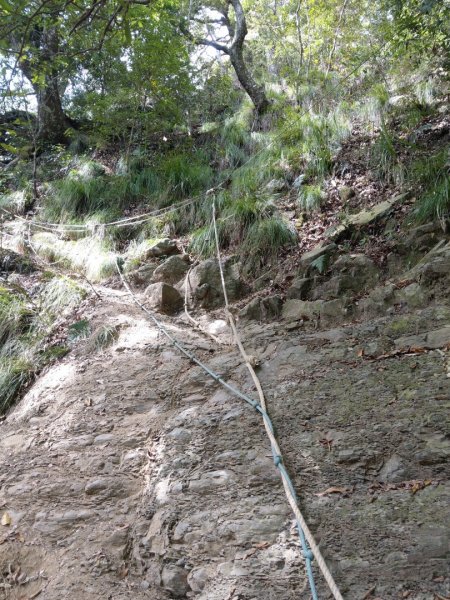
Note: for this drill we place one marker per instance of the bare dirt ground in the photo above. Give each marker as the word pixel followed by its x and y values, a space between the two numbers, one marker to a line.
pixel 127 473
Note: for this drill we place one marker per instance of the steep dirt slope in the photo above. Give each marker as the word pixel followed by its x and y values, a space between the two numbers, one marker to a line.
pixel 128 473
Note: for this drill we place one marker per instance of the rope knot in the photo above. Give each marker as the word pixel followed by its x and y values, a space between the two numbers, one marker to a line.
pixel 278 460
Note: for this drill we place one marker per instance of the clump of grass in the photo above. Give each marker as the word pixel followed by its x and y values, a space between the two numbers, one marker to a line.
pixel 137 252
pixel 251 176
pixel 15 314
pixel 203 243
pixel 264 240
pixel 88 190
pixel 104 336
pixel 24 325
pixel 431 178
pixel 16 202
pixel 313 139
pixel 310 198
pixel 435 202
pixel 184 175
pixel 89 255
pixel 235 140
pixel 385 158
pixel 79 330
pixel 61 294
pixel 15 373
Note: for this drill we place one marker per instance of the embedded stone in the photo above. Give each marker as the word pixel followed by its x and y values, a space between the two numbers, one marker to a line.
pixel 164 298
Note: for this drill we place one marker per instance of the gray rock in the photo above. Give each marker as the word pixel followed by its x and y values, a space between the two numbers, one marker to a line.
pixel 333 311
pixel 262 309
pixel 197 579
pixel 327 312
pixel 294 310
pixel 171 271
pixel 298 181
pixel 103 438
pixel 143 275
pixel 174 580
pixel 276 186
pixel 363 219
pixel 350 273
pixel 12 261
pixel 96 486
pixel 308 257
pixel 206 286
pixel 414 295
pixel 357 266
pixel 164 247
pixel 436 451
pixel 299 288
pixel 164 298
pixel 437 338
pixel 393 470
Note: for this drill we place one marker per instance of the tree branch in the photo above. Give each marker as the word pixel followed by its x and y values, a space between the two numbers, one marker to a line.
pixel 241 24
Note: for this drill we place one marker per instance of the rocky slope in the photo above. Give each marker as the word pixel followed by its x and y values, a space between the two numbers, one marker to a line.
pixel 127 473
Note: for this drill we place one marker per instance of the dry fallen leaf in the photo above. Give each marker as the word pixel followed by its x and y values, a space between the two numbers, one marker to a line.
pixel 6 519
pixel 261 545
pixel 333 490
pixel 420 485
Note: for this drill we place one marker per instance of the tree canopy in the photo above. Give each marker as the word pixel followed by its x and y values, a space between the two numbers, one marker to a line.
pixel 158 64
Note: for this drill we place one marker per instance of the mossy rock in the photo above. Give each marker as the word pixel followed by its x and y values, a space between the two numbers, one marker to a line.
pixel 13 262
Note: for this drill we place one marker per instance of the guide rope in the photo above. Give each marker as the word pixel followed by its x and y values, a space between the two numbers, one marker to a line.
pixel 305 534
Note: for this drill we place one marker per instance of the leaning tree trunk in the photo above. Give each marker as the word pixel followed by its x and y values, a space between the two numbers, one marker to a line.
pixel 235 50
pixel 256 92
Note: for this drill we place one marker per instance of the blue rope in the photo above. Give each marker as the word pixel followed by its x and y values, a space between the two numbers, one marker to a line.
pixel 277 459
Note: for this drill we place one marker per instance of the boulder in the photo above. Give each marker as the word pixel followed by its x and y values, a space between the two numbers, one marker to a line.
pixel 174 580
pixel 413 295
pixel 276 186
pixel 12 261
pixel 294 310
pixel 205 286
pixel 298 181
pixel 309 257
pixel 378 301
pixel 172 270
pixel 350 273
pixel 164 298
pixel 330 312
pixel 143 275
pixel 364 218
pixel 299 288
pixel 164 247
pixel 262 309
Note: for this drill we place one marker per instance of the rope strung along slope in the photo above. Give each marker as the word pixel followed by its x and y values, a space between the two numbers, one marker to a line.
pixel 290 492
pixel 305 534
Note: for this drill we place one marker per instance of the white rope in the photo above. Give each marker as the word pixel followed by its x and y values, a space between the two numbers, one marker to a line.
pixel 291 499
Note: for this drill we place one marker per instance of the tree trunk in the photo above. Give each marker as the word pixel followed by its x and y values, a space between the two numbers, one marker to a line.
pixel 52 121
pixel 235 50
pixel 256 92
